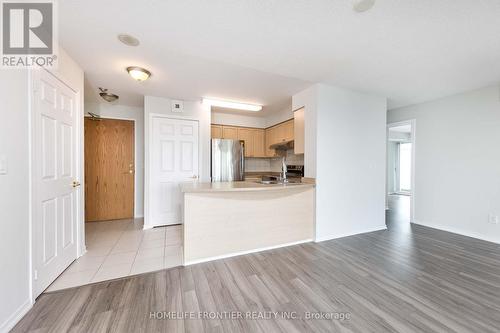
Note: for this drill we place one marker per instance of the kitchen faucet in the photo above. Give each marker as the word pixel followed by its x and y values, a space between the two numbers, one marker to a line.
pixel 283 170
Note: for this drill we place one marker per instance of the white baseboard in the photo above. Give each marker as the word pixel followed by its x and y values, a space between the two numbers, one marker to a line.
pixel 151 226
pixel 358 232
pixel 16 316
pixel 234 254
pixel 457 231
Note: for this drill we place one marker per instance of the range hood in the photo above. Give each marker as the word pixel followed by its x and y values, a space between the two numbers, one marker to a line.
pixel 285 145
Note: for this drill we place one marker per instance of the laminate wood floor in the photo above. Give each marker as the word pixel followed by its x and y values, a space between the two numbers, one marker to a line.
pixel 406 279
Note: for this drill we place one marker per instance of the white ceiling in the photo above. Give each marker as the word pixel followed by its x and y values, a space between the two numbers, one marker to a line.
pixel 263 51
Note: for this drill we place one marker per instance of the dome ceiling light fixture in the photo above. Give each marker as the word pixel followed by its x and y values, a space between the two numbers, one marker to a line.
pixel 128 40
pixel 108 97
pixel 361 6
pixel 138 73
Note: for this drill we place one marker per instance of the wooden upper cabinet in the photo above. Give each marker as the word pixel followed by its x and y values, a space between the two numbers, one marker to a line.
pixel 229 132
pixel 216 132
pixel 259 143
pixel 288 129
pixel 269 141
pixel 246 135
pixel 299 132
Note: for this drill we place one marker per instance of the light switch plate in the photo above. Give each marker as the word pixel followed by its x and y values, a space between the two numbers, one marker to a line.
pixel 3 165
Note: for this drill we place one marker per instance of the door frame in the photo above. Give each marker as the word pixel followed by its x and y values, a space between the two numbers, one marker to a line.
pixel 136 179
pixel 148 134
pixel 413 141
pixel 34 164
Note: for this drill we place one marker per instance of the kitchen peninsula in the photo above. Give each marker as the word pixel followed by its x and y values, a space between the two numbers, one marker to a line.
pixel 231 218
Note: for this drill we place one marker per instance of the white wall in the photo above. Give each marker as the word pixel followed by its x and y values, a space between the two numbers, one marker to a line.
pixel 308 99
pixel 192 110
pixel 279 116
pixel 392 154
pixel 15 192
pixel 229 119
pixel 457 162
pixel 14 197
pixel 247 120
pixel 349 131
pixel 130 113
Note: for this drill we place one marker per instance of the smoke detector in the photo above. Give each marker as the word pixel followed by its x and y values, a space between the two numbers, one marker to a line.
pixel 361 6
pixel 128 40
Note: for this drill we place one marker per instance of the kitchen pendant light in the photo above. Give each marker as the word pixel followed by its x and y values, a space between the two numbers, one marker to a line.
pixel 138 73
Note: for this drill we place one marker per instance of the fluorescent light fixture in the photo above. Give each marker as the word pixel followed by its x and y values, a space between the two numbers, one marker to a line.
pixel 138 73
pixel 232 105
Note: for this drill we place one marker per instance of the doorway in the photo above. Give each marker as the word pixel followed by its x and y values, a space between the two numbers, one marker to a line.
pixel 401 170
pixel 109 169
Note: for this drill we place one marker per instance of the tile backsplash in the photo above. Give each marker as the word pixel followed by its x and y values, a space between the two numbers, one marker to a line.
pixel 272 164
pixel 257 164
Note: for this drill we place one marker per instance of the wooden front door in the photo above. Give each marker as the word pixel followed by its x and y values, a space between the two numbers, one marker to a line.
pixel 109 169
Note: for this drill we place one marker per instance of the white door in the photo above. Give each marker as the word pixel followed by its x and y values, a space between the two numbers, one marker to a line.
pixel 55 156
pixel 174 159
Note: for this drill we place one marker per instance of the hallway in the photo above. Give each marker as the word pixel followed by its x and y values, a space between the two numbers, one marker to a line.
pixel 121 248
pixel 398 214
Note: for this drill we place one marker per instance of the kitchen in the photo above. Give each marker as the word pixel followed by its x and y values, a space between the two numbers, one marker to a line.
pixel 254 171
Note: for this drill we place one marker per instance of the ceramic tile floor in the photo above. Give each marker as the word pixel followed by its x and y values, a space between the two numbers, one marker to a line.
pixel 120 248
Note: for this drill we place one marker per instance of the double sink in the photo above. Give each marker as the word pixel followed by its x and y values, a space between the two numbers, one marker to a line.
pixel 275 180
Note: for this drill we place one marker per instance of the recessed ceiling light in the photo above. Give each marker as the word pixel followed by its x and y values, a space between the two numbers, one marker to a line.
pixel 362 5
pixel 138 73
pixel 232 105
pixel 128 40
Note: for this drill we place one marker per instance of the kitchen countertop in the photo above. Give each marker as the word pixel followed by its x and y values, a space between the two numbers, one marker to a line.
pixel 201 187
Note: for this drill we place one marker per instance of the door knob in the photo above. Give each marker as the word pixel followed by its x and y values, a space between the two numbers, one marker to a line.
pixel 194 177
pixel 76 183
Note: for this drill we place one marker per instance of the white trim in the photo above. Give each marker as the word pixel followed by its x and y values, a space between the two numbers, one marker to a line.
pixel 151 226
pixel 327 238
pixel 413 125
pixel 458 231
pixel 234 254
pixel 16 316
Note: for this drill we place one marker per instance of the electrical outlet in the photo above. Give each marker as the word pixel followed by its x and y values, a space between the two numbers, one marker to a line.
pixel 493 218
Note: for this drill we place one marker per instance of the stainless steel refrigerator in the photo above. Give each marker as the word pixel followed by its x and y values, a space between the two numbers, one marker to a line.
pixel 228 160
